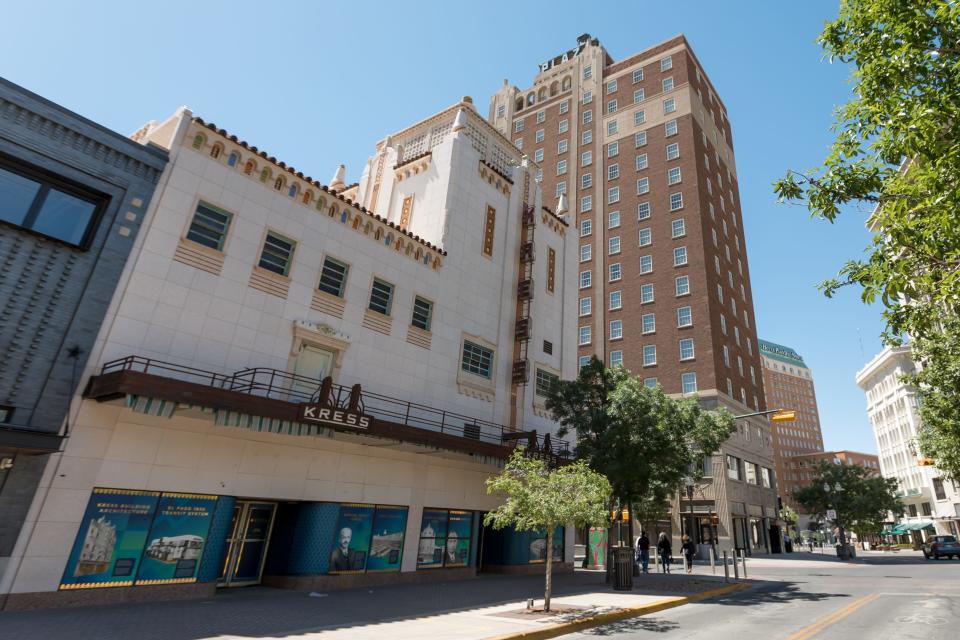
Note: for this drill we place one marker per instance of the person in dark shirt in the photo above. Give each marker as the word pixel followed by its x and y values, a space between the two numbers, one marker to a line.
pixel 688 549
pixel 643 551
pixel 665 551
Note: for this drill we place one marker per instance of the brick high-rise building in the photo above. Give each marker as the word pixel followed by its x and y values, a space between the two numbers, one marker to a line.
pixel 788 383
pixel 642 150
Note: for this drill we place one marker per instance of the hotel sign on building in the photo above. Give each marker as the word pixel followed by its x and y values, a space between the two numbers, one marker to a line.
pixel 566 56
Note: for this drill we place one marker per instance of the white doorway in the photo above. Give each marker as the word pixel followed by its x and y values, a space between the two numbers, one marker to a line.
pixel 312 362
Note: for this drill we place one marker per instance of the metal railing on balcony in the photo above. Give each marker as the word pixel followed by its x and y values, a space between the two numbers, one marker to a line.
pixel 293 388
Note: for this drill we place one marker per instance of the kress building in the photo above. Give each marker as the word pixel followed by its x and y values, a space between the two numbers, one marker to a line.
pixel 307 386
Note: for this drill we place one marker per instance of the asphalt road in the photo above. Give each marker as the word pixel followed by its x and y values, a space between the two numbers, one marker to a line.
pixel 877 597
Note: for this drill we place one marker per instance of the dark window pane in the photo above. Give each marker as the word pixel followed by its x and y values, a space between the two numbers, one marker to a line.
pixel 209 227
pixel 476 359
pixel 380 296
pixel 422 312
pixel 333 277
pixel 64 216
pixel 16 195
pixel 276 254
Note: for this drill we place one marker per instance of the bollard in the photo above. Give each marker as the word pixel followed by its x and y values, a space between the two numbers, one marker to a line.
pixel 713 561
pixel 743 559
pixel 736 569
pixel 726 568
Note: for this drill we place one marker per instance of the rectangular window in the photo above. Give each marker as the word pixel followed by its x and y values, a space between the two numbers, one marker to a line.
pixel 477 359
pixel 611 87
pixel 646 237
pixel 586 254
pixel 586 306
pixel 764 472
pixel 641 162
pixel 613 245
pixel 682 285
pixel 586 158
pixel 673 151
pixel 381 296
pixel 616 329
pixel 666 63
pixel 673 175
pixel 501 110
pixel 678 228
pixel 615 300
pixel 544 382
pixel 586 203
pixel 586 227
pixel 648 323
pixel 670 128
pixel 676 201
pixel 587 72
pixel 689 382
pixel 541 116
pixel 726 355
pixel 613 195
pixel 612 106
pixel 612 127
pixel 684 317
pixel 208 227
pixel 646 264
pixel 613 149
pixel 563 126
pixel 616 358
pixel 561 167
pixel 686 349
pixel 613 171
pixel 586 137
pixel 488 228
pixel 614 272
pixel 277 254
pixel 639 117
pixel 650 382
pixel 679 256
pixel 587 96
pixel 562 146
pixel 723 320
pixel 646 293
pixel 564 106
pixel 518 126
pixel 751 474
pixel 582 362
pixel 585 279
pixel 586 180
pixel 643 186
pixel 538 155
pixel 538 136
pixel 669 105
pixel 561 188
pixel 643 211
pixel 422 313
pixel 613 220
pixel 638 96
pixel 587 116
pixel 733 468
pixel 667 84
pixel 333 277
pixel 649 355
pixel 585 335
pixel 637 76
pixel 639 139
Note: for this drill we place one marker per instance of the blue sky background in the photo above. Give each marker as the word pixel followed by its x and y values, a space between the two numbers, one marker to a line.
pixel 316 84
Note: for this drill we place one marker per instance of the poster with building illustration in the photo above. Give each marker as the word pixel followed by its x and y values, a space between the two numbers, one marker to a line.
pixel 386 546
pixel 433 537
pixel 110 541
pixel 351 538
pixel 177 539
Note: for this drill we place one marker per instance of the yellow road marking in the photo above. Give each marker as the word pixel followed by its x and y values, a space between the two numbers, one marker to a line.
pixel 831 619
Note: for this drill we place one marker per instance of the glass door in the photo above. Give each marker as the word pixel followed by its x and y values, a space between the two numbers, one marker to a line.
pixel 247 543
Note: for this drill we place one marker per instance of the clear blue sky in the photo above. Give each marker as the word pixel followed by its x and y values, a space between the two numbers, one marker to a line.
pixel 316 84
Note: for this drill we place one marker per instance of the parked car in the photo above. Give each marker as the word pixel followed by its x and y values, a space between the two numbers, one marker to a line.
pixel 941 546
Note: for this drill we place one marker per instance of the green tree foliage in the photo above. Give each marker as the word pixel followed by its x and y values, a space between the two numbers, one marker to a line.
pixel 789 515
pixel 897 151
pixel 539 498
pixel 862 504
pixel 645 442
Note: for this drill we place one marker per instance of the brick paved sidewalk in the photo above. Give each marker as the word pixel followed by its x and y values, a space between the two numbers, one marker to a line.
pixel 464 609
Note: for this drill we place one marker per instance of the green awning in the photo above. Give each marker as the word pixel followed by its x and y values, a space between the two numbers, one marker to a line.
pixel 917 526
pixel 897 530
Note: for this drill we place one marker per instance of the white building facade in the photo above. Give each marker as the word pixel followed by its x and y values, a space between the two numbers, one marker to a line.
pixel 932 503
pixel 312 383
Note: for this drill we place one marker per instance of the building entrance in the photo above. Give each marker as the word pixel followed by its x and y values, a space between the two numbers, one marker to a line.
pixel 247 543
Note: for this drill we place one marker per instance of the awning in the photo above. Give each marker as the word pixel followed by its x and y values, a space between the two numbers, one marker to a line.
pixel 917 526
pixel 900 529
pixel 897 530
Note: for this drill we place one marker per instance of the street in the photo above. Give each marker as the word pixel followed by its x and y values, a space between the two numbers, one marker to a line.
pixel 878 596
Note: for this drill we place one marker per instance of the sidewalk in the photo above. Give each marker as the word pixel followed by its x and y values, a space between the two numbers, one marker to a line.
pixel 485 607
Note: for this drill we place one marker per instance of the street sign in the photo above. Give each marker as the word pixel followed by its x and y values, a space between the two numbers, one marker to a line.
pixel 831 514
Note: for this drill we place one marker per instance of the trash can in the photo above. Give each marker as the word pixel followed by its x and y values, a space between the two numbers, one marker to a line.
pixel 622 568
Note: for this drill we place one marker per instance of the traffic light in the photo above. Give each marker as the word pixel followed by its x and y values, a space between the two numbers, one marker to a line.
pixel 784 416
pixel 925 462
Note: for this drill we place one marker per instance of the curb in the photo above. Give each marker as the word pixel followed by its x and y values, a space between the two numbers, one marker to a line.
pixel 563 628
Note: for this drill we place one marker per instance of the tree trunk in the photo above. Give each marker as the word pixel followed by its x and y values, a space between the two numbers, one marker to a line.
pixel 549 580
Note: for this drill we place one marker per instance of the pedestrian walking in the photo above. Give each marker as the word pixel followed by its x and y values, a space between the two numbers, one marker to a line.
pixel 688 549
pixel 665 551
pixel 643 552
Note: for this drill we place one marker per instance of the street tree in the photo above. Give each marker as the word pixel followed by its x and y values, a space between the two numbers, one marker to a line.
pixel 645 442
pixel 789 515
pixel 540 498
pixel 897 153
pixel 862 503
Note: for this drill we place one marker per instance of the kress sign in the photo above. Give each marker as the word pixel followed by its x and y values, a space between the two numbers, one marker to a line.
pixel 323 414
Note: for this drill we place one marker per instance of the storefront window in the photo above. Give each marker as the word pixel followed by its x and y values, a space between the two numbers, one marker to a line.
pixel 445 536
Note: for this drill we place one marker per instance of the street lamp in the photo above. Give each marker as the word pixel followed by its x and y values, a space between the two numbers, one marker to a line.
pixel 832 495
